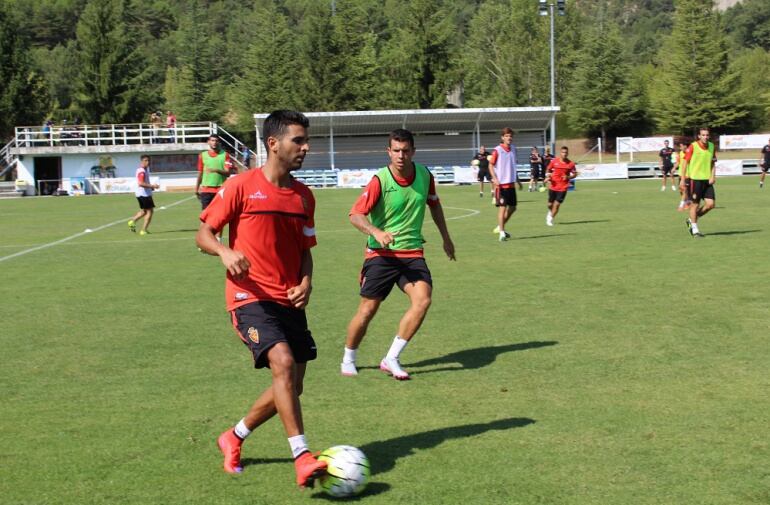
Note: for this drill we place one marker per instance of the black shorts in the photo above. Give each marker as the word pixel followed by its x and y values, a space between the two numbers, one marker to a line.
pixel 699 189
pixel 536 173
pixel 261 325
pixel 484 174
pixel 666 170
pixel 380 273
pixel 145 202
pixel 206 199
pixel 556 196
pixel 505 197
pixel 764 167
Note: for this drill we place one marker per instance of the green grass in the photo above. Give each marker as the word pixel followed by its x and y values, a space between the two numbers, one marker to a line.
pixel 611 359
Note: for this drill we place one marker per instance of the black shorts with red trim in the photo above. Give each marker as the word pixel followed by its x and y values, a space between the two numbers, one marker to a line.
pixel 556 196
pixel 381 273
pixel 261 325
pixel 700 189
pixel 145 202
pixel 206 199
pixel 505 197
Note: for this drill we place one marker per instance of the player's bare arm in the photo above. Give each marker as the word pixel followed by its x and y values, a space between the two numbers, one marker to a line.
pixel 363 225
pixel 299 295
pixel 683 171
pixel 493 174
pixel 235 261
pixel 437 213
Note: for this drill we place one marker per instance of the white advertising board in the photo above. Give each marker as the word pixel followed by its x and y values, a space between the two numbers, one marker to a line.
pixel 119 184
pixel 603 171
pixel 354 178
pixel 642 144
pixel 729 167
pixel 466 175
pixel 743 141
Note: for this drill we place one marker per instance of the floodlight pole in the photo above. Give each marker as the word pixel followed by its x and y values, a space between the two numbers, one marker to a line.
pixel 553 83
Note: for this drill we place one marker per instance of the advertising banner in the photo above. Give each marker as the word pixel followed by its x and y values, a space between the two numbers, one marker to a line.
pixel 729 167
pixel 743 141
pixel 603 171
pixel 75 185
pixel 354 178
pixel 642 144
pixel 119 184
pixel 465 175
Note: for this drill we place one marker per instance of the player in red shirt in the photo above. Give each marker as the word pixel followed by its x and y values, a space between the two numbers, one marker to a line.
pixel 560 171
pixel 269 270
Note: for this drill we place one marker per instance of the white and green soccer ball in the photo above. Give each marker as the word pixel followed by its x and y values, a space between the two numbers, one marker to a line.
pixel 347 473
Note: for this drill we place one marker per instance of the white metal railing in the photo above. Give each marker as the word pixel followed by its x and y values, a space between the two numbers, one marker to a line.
pixel 7 160
pixel 111 134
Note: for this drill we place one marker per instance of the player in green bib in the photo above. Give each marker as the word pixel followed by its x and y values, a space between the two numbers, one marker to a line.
pixel 395 201
pixel 700 170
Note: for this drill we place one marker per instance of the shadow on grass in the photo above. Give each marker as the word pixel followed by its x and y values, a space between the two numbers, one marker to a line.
pixel 265 461
pixel 550 235
pixel 470 359
pixel 175 231
pixel 372 489
pixel 736 232
pixel 383 454
pixel 584 222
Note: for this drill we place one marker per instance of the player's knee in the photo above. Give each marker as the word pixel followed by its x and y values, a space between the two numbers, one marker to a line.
pixel 422 303
pixel 366 312
pixel 281 361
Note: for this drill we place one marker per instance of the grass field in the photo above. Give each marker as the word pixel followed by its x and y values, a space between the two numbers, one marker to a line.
pixel 612 359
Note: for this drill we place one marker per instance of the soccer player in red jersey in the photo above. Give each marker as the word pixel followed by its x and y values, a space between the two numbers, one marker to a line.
pixel 269 271
pixel 395 201
pixel 560 172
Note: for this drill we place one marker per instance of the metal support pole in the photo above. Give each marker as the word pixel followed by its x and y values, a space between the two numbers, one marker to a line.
pixel 331 144
pixel 553 83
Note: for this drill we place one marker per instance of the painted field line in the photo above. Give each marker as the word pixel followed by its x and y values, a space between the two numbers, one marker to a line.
pixel 72 237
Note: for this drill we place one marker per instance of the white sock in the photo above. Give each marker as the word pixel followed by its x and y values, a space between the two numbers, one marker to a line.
pixel 241 431
pixel 695 228
pixel 350 355
pixel 399 343
pixel 298 445
pixel 681 204
pixel 502 233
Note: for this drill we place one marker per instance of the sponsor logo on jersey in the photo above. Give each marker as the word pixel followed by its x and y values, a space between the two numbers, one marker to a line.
pixel 241 295
pixel 258 196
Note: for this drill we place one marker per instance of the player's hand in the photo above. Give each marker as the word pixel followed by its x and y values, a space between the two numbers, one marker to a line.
pixel 385 238
pixel 449 249
pixel 299 296
pixel 712 180
pixel 236 263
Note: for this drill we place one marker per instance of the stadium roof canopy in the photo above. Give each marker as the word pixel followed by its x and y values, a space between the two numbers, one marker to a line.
pixel 425 121
pixel 342 128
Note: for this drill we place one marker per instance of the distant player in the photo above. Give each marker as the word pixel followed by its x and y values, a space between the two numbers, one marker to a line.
pixel 684 201
pixel 558 174
pixel 764 164
pixel 143 194
pixel 269 270
pixel 666 165
pixel 536 169
pixel 481 160
pixel 214 167
pixel 502 166
pixel 700 171
pixel 395 201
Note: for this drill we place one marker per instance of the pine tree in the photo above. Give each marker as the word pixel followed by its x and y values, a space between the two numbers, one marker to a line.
pixel 108 65
pixel 23 99
pixel 600 99
pixel 697 87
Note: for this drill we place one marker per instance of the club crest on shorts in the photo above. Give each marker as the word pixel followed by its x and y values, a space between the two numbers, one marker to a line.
pixel 253 335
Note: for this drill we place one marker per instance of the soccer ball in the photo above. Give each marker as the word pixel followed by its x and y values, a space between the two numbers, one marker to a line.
pixel 542 189
pixel 475 163
pixel 347 473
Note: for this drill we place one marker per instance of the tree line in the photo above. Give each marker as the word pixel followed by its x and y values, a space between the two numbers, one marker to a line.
pixel 631 67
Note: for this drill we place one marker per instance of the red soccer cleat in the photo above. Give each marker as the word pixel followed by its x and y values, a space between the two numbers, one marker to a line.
pixel 308 469
pixel 230 445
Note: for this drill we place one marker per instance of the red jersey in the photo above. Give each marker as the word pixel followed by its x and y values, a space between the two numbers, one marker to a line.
pixel 369 198
pixel 272 227
pixel 557 170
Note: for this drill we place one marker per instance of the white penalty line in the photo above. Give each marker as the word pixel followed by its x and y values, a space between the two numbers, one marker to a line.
pixel 86 232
